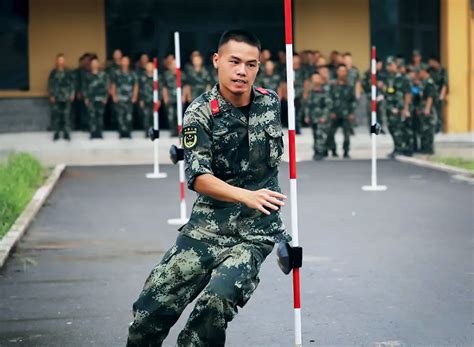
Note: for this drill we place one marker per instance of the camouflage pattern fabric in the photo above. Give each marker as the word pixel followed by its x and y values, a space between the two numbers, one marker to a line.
pixel 440 79
pixel 218 254
pixel 344 103
pixel 145 94
pixel 299 91
pixel 353 75
pixel 318 108
pixel 427 122
pixel 95 90
pixel 61 87
pixel 271 82
pixel 380 103
pixel 125 82
pixel 169 81
pixel 198 80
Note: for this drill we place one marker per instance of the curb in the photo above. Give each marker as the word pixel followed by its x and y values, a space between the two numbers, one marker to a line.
pixel 459 173
pixel 18 229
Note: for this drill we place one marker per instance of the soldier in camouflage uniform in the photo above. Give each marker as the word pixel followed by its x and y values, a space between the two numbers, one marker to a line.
pixel 198 77
pixel 318 107
pixel 124 94
pixel 169 94
pixel 61 94
pixel 270 79
pixel 96 91
pixel 80 111
pixel 232 140
pixel 397 93
pixel 342 114
pixel 114 66
pixel 299 92
pixel 426 110
pixel 145 97
pixel 440 77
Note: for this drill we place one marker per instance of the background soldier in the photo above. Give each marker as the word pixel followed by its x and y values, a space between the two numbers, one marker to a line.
pixel 61 94
pixel 112 68
pixel 96 91
pixel 124 94
pixel 299 92
pixel 344 103
pixel 416 60
pixel 145 96
pixel 270 79
pixel 318 107
pixel 80 112
pixel 440 77
pixel 169 94
pixel 426 110
pixel 199 79
pixel 397 97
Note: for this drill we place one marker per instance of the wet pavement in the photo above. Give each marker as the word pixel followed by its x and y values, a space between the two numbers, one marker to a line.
pixel 383 269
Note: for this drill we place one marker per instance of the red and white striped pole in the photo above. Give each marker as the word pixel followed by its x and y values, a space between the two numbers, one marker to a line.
pixel 156 126
pixel 179 108
pixel 292 147
pixel 373 186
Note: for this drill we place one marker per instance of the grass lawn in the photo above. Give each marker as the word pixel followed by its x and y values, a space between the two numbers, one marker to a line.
pixel 454 161
pixel 20 176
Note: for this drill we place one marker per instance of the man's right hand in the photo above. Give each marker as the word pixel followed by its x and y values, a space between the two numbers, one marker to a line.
pixel 52 99
pixel 262 199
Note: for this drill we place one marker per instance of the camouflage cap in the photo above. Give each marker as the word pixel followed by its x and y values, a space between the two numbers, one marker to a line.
pixel 400 62
pixel 416 52
pixel 424 66
pixel 390 60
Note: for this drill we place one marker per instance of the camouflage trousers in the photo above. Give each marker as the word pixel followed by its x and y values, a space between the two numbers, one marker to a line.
pixel 95 111
pixel 438 105
pixel 123 111
pixel 320 136
pixel 223 278
pixel 346 126
pixel 400 130
pixel 146 113
pixel 172 117
pixel 427 131
pixel 61 117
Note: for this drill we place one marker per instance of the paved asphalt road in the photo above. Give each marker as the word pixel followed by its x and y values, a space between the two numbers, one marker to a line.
pixel 381 269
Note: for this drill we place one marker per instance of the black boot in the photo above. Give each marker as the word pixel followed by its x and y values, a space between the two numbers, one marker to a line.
pixel 346 155
pixel 334 153
pixel 67 137
pixel 56 136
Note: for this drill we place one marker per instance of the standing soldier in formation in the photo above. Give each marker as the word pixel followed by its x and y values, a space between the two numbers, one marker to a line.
pixel 124 93
pixel 380 102
pixel 318 107
pixel 416 61
pixel 397 100
pixel 344 103
pixel 426 110
pixel 61 94
pixel 269 78
pixel 299 92
pixel 96 91
pixel 353 76
pixel 114 66
pixel 80 112
pixel 440 77
pixel 145 97
pixel 169 94
pixel 199 79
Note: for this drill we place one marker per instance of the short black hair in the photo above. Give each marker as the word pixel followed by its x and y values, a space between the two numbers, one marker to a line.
pixel 347 54
pixel 341 65
pixel 240 35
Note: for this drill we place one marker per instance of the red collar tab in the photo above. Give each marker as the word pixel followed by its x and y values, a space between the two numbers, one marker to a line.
pixel 262 91
pixel 215 107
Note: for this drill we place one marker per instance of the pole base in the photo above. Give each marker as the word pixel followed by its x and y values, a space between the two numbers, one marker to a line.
pixel 374 188
pixel 178 221
pixel 156 175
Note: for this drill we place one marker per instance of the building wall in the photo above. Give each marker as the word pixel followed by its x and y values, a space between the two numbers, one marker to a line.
pixel 71 27
pixel 457 54
pixel 326 25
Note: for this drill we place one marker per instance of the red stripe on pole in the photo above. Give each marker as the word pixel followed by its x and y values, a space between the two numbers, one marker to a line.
pixel 155 107
pixel 178 78
pixel 155 85
pixel 181 186
pixel 296 288
pixel 291 140
pixel 288 23
pixel 373 79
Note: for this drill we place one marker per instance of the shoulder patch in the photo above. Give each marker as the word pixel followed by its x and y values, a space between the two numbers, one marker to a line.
pixel 215 107
pixel 190 137
pixel 262 91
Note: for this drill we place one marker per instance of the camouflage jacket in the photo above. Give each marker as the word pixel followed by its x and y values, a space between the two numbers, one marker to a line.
pixel 299 83
pixel 271 82
pixel 440 78
pixel 343 97
pixel 169 81
pixel 111 70
pixel 396 86
pixel 145 88
pixel 124 83
pixel 61 85
pixel 427 90
pixel 353 75
pixel 96 86
pixel 79 78
pixel 318 105
pixel 198 81
pixel 218 139
pixel 367 82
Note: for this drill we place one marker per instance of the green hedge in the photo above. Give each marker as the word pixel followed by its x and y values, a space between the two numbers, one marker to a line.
pixel 455 161
pixel 20 176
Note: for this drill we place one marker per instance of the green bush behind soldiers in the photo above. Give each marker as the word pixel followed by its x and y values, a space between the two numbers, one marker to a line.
pixel 96 91
pixel 440 77
pixel 397 94
pixel 199 79
pixel 145 96
pixel 344 103
pixel 426 111
pixel 380 103
pixel 61 94
pixel 269 79
pixel 169 94
pixel 317 112
pixel 124 94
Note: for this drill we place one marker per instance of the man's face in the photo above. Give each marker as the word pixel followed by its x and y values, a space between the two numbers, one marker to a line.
pixel 347 60
pixel 296 62
pixel 149 69
pixel 237 66
pixel 316 79
pixel 341 72
pixel 392 68
pixel 60 62
pixel 266 55
pixel 196 60
pixel 433 63
pixel 125 62
pixel 117 55
pixel 321 62
pixel 324 72
pixel 269 67
pixel 144 60
pixel 95 65
pixel 417 59
pixel 378 66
